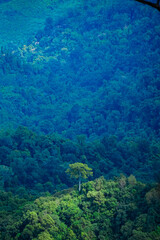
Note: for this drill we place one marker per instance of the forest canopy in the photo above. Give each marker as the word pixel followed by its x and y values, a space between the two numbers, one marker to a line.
pixel 79 94
pixel 37 163
pixel 119 209
pixel 93 70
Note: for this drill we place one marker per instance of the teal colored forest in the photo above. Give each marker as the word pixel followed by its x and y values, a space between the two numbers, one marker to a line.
pixel 79 120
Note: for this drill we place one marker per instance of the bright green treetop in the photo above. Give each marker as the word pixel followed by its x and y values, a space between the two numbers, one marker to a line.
pixel 79 170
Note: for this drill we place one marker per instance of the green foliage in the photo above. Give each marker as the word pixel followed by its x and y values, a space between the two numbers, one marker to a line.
pixel 44 235
pixel 103 210
pixel 79 169
pixel 88 72
pixel 48 82
pixel 155 235
pixel 132 180
pixel 37 163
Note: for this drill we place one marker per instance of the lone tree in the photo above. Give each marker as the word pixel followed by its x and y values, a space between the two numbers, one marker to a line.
pixel 79 170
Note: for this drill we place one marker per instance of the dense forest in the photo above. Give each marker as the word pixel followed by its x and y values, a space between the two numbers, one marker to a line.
pixel 79 84
pixel 92 70
pixel 37 163
pixel 123 209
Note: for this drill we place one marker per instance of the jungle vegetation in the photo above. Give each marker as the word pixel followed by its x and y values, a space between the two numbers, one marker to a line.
pixel 93 70
pixel 123 209
pixel 80 92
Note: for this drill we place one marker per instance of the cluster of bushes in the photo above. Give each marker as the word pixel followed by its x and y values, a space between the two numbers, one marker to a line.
pixel 121 209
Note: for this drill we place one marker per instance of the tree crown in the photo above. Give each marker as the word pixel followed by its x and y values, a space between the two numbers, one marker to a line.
pixel 79 169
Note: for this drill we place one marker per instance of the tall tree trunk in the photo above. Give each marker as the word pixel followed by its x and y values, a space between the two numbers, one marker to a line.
pixel 79 182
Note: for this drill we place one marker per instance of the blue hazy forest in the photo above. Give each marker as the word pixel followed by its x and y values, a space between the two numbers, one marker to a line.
pixel 79 86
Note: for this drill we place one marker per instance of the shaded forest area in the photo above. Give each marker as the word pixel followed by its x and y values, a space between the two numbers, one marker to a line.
pixel 92 70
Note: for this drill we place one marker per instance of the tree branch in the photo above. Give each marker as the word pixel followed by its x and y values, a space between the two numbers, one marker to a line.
pixel 155 5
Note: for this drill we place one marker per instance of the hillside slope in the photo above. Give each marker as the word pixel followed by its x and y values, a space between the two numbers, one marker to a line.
pixel 123 209
pixel 37 163
pixel 91 68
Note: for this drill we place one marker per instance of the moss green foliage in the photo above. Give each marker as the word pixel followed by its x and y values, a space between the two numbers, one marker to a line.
pixel 79 170
pixel 104 210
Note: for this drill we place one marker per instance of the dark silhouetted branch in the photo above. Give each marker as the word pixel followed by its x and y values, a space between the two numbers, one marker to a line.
pixel 155 5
